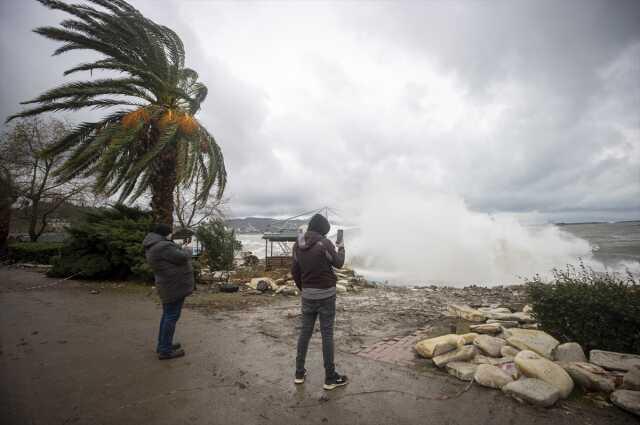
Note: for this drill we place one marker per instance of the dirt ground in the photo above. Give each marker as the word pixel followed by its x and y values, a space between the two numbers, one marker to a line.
pixel 69 355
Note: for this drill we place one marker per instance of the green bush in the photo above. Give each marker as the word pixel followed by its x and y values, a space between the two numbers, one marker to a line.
pixel 34 252
pixel 108 244
pixel 219 244
pixel 597 310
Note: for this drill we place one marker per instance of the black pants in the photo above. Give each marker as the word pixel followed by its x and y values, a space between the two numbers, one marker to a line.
pixel 311 309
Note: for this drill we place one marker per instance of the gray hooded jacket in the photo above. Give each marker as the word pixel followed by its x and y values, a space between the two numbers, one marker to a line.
pixel 171 267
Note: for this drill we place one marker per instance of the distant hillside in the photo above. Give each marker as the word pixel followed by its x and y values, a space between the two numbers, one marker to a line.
pixel 259 224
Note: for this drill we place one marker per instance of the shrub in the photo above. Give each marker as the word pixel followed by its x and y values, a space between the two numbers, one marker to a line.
pixel 34 252
pixel 219 244
pixel 597 310
pixel 108 244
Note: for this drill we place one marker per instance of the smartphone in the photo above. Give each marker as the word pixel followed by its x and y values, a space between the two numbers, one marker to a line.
pixel 340 236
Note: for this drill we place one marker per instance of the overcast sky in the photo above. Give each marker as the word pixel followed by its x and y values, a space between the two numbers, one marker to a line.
pixel 515 106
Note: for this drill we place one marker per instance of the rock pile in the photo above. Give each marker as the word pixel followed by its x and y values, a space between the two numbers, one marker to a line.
pixel 505 352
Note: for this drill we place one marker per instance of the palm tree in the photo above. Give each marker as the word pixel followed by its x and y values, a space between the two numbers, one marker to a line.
pixel 152 141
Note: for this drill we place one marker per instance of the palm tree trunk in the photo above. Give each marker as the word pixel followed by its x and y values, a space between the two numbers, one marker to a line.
pixel 5 224
pixel 163 187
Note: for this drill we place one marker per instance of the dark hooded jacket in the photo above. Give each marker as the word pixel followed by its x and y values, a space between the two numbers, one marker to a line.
pixel 314 256
pixel 171 267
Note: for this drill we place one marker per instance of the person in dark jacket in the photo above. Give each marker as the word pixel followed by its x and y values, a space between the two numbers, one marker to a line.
pixel 174 280
pixel 314 257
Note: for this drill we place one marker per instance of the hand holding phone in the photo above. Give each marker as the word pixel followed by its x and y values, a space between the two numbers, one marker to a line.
pixel 340 239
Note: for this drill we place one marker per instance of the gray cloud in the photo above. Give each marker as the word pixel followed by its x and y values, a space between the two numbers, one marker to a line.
pixel 514 105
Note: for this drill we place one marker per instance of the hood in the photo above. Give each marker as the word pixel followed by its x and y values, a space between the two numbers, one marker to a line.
pixel 320 224
pixel 308 239
pixel 152 239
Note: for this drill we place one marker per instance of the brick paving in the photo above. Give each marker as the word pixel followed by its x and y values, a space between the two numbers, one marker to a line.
pixel 396 350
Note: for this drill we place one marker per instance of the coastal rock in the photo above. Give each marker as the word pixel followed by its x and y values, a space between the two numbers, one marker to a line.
pixel 631 379
pixel 527 309
pixel 287 290
pixel 533 365
pixel 491 376
pixel 468 338
pixel 510 369
pixel 495 361
pixel 508 351
pixel 532 391
pixel 438 346
pixel 504 323
pixel 341 289
pixel 465 312
pixel 614 361
pixel 462 354
pixel 489 345
pixel 262 284
pixel 589 376
pixel 627 400
pixel 462 370
pixel 537 341
pixel 486 328
pixel 569 352
pixel 515 317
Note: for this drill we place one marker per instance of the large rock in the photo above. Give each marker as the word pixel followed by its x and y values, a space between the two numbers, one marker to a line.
pixel 468 338
pixel 262 284
pixel 496 361
pixel 465 312
pixel 508 351
pixel 341 289
pixel 489 345
pixel 462 354
pixel 510 369
pixel 631 379
pixel 532 391
pixel 504 323
pixel 533 365
pixel 614 361
pixel 491 376
pixel 517 317
pixel 569 352
pixel 437 346
pixel 589 376
pixel 486 328
pixel 627 400
pixel 537 341
pixel 462 370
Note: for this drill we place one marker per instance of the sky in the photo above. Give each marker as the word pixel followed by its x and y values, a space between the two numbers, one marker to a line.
pixel 517 107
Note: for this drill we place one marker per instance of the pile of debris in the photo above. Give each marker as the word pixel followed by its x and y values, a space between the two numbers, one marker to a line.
pixel 348 281
pixel 506 351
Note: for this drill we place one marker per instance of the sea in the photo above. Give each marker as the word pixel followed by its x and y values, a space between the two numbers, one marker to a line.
pixel 615 245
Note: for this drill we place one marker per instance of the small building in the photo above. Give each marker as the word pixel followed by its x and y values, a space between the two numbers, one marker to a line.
pixel 283 241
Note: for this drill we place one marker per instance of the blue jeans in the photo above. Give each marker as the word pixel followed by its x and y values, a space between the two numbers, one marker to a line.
pixel 311 309
pixel 168 321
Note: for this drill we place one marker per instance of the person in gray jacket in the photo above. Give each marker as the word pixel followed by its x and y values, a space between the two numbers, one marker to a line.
pixel 174 280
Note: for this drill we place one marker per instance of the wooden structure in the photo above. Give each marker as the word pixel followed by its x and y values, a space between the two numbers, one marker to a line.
pixel 282 240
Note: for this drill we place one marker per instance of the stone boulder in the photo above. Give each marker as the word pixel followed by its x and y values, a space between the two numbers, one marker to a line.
pixel 491 376
pixel 262 284
pixel 465 312
pixel 287 290
pixel 510 369
pixel 504 323
pixel 489 345
pixel 462 354
pixel 495 361
pixel 486 328
pixel 533 340
pixel 462 370
pixel 589 376
pixel 533 365
pixel 468 338
pixel 627 400
pixel 437 346
pixel 631 379
pixel 569 352
pixel 532 391
pixel 341 289
pixel 508 351
pixel 614 361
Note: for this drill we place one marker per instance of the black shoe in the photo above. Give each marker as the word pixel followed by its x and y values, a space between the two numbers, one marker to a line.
pixel 300 377
pixel 336 381
pixel 175 346
pixel 173 354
